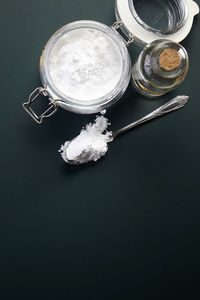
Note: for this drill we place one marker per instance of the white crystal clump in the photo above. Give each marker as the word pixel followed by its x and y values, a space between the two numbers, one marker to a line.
pixel 85 65
pixel 90 145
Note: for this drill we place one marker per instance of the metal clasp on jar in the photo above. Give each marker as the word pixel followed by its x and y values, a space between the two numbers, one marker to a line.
pixel 118 25
pixel 53 105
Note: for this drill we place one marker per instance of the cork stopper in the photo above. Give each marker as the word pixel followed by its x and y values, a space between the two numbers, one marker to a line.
pixel 169 59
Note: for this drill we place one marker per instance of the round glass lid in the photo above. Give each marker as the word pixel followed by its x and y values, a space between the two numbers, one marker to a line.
pixel 151 20
pixel 164 16
pixel 85 63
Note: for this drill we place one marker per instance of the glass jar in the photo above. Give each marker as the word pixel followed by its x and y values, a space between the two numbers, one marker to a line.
pixel 109 95
pixel 160 67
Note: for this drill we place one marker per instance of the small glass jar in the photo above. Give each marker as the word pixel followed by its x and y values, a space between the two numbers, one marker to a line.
pixel 160 67
pixel 135 28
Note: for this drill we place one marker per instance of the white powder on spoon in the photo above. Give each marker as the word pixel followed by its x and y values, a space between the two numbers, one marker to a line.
pixel 85 65
pixel 90 145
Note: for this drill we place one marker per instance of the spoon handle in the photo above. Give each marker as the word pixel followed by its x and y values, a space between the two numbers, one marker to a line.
pixel 170 106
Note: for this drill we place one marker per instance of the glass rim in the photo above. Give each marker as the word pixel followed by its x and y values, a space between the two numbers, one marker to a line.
pixel 184 10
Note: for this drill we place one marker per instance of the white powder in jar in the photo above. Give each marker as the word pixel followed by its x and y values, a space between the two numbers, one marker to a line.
pixel 85 65
pixel 90 145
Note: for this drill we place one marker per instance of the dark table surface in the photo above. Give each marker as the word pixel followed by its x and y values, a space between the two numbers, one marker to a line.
pixel 127 227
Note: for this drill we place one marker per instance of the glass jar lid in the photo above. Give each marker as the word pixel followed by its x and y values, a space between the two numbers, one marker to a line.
pixel 148 21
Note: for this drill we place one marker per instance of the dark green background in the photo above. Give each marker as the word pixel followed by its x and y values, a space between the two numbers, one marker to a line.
pixel 127 227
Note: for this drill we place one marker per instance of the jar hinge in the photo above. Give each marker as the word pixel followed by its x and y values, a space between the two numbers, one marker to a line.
pixel 53 105
pixel 118 25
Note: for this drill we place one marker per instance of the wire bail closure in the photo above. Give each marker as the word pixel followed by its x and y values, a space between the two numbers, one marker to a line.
pixel 118 25
pixel 53 105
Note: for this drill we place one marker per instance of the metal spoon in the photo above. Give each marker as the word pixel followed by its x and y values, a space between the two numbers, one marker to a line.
pixel 174 104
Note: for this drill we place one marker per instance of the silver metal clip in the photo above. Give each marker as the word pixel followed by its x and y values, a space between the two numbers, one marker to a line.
pixel 118 25
pixel 53 105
